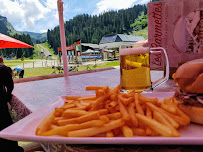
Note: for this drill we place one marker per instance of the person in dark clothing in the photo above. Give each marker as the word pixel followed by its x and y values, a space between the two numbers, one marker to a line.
pixel 6 88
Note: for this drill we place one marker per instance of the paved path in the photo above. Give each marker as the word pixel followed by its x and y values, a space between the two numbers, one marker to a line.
pixel 45 50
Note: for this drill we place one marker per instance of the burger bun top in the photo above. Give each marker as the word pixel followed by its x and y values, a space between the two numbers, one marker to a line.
pixel 189 76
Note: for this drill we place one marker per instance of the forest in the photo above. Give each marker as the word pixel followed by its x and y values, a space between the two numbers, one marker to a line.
pixel 91 28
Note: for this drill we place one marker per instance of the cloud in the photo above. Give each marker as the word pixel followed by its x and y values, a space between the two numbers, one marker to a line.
pixel 51 4
pixel 107 5
pixel 8 9
pixel 33 10
pixel 40 15
pixel 24 14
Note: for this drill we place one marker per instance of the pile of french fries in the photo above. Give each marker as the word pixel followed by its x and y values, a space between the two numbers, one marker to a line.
pixel 113 114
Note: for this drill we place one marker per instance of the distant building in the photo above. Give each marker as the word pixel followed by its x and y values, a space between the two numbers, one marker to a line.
pixel 110 43
pixel 114 41
pixel 86 46
pixel 90 51
pixel 108 48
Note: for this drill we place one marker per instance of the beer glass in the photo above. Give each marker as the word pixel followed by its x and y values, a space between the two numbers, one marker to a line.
pixel 135 68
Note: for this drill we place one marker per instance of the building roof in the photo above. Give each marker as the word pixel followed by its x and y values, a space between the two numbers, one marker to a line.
pixel 130 38
pixel 120 38
pixel 113 45
pixel 94 46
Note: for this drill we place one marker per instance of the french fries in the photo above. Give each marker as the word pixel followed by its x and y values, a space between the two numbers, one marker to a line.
pixel 109 134
pixel 97 130
pixel 127 131
pixel 63 130
pixel 155 125
pixel 113 114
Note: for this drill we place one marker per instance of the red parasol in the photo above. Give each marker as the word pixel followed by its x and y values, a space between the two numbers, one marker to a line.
pixel 9 42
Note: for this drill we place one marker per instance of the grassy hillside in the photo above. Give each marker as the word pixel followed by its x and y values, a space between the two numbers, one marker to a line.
pixel 143 33
pixel 37 52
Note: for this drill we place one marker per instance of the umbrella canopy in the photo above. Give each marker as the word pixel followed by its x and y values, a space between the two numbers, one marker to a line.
pixel 9 42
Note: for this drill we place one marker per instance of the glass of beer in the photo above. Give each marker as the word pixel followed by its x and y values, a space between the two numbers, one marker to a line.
pixel 135 68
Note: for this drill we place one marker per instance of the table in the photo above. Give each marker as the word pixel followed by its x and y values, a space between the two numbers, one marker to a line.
pixel 35 94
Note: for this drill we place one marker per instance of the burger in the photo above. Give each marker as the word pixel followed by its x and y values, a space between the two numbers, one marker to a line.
pixel 189 94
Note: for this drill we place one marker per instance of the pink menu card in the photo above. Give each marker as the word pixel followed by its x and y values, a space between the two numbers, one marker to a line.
pixel 176 26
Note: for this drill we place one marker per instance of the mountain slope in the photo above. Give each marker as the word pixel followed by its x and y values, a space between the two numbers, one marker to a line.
pixel 6 27
pixel 36 36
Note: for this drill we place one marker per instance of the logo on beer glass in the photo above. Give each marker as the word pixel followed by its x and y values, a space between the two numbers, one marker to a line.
pixel 135 68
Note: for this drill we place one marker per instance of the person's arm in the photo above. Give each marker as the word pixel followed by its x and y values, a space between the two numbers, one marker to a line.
pixel 17 74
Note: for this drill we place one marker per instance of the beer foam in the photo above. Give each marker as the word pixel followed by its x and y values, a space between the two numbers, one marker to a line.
pixel 130 51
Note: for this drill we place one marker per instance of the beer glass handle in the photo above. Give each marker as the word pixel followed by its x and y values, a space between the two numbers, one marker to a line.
pixel 166 67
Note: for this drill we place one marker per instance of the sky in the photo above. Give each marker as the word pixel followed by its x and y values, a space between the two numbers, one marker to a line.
pixel 40 15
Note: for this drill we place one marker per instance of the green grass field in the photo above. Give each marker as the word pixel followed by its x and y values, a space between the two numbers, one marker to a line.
pixel 32 72
pixel 39 71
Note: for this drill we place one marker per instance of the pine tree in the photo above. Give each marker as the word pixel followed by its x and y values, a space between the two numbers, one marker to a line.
pixel 91 28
